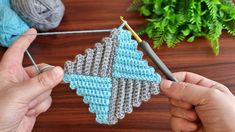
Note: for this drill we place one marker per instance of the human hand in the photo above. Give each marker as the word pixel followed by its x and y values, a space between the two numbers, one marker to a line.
pixel 24 94
pixel 199 104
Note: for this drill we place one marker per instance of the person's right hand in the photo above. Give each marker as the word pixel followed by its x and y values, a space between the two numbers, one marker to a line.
pixel 199 104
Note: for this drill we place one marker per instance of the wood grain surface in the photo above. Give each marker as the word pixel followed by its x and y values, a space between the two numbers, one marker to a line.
pixel 68 112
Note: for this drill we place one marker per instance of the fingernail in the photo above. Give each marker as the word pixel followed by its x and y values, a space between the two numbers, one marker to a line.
pixel 30 31
pixel 165 84
pixel 58 72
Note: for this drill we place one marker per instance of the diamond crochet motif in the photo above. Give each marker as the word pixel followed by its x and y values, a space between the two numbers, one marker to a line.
pixel 113 77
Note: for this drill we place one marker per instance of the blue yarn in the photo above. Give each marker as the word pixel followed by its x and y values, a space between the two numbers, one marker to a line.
pixel 98 109
pixel 128 66
pixel 5 3
pixel 10 24
pixel 96 91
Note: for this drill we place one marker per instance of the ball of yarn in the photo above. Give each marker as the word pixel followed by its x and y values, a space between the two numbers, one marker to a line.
pixel 40 14
pixel 11 26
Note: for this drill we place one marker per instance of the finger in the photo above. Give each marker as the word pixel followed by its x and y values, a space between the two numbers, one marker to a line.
pixel 44 106
pixel 185 92
pixel 179 125
pixel 194 79
pixel 180 104
pixel 32 72
pixel 41 108
pixel 40 99
pixel 15 52
pixel 27 124
pixel 222 88
pixel 200 80
pixel 39 84
pixel 189 115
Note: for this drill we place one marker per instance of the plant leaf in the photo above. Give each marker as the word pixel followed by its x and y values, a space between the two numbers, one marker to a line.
pixel 170 21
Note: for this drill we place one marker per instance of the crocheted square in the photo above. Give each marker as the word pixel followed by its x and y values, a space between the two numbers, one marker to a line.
pixel 113 77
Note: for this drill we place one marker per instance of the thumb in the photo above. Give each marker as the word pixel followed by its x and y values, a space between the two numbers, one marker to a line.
pixel 185 92
pixel 41 83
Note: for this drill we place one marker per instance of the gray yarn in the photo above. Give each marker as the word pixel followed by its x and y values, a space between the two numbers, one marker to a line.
pixel 120 114
pixel 69 67
pixel 94 62
pixel 136 102
pixel 88 60
pixel 115 41
pixel 112 108
pixel 154 88
pixel 97 58
pixel 40 14
pixel 79 64
pixel 106 56
pixel 145 91
pixel 128 96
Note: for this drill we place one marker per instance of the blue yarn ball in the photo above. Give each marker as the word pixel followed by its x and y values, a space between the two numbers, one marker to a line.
pixel 11 25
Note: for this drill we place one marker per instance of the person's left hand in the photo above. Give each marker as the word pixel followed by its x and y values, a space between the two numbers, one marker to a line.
pixel 23 93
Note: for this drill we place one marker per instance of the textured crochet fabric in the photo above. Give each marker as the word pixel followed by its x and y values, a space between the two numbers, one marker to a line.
pixel 113 78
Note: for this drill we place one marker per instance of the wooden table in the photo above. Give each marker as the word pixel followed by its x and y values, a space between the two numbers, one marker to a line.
pixel 69 113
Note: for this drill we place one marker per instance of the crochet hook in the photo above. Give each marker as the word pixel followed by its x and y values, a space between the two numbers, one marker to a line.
pixel 149 51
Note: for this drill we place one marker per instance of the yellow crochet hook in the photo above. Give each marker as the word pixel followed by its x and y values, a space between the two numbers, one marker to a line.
pixel 149 51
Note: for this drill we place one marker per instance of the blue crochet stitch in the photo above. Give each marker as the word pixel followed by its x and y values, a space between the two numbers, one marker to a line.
pixel 113 78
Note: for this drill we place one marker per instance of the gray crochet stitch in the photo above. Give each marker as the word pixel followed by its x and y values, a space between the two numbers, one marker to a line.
pixel 128 96
pixel 145 92
pixel 69 67
pixel 97 59
pixel 88 61
pixel 120 114
pixel 108 44
pixel 154 88
pixel 126 93
pixel 95 62
pixel 136 102
pixel 112 107
pixel 78 64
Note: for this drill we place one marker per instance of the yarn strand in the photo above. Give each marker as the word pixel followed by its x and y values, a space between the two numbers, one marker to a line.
pixel 70 32
pixel 33 62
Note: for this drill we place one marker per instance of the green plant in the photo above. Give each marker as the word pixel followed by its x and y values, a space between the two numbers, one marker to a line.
pixel 171 21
